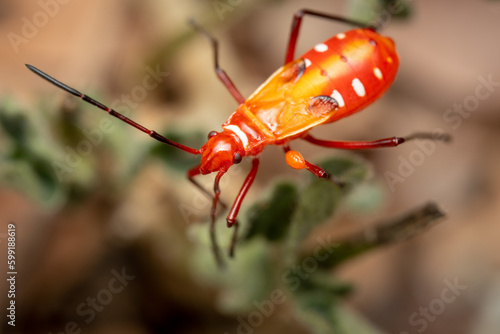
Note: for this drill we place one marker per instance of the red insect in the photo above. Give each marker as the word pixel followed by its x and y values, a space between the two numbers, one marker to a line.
pixel 333 80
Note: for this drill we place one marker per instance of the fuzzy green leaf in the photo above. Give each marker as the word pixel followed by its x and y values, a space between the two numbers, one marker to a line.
pixel 321 198
pixel 15 125
pixel 272 218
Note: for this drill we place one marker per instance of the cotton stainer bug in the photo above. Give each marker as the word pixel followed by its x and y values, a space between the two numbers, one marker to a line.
pixel 333 80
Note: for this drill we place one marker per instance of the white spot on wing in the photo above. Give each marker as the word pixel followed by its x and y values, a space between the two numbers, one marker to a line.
pixel 321 47
pixel 358 87
pixel 338 97
pixel 378 73
pixel 243 137
pixel 307 62
pixel 340 36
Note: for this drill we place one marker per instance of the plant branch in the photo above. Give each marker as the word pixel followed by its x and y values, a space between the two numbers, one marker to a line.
pixel 389 232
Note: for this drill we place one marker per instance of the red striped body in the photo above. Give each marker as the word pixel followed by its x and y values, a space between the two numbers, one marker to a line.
pixel 354 68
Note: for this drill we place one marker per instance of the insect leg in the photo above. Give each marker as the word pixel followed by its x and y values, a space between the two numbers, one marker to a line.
pixel 213 216
pixel 233 213
pixel 221 74
pixel 194 172
pixel 213 212
pixel 112 112
pixel 297 21
pixel 386 142
pixel 297 161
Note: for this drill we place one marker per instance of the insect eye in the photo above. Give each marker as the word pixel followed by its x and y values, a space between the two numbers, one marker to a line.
pixel 237 158
pixel 211 134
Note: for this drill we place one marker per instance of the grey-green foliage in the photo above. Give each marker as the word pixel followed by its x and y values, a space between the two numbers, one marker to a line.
pixel 25 161
pixel 268 254
pixel 271 219
pixel 56 155
pixel 316 294
pixel 380 12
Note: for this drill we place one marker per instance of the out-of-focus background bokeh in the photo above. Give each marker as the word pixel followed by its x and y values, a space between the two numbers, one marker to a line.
pixel 112 238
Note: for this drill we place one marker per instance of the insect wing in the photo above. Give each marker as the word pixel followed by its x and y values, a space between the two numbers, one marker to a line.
pixel 288 103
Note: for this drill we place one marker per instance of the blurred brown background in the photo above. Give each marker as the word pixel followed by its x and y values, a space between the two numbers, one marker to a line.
pixel 67 252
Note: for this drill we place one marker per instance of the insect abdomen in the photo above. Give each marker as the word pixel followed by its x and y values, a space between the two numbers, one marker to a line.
pixel 355 68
